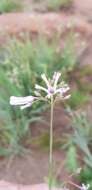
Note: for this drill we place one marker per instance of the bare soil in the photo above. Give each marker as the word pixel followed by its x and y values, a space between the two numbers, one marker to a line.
pixel 84 8
pixel 32 168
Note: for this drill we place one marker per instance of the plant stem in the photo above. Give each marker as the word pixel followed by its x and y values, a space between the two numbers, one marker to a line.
pixel 51 146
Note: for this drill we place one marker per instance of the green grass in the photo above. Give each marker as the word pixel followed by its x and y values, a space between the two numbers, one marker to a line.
pixel 13 123
pixel 10 6
pixel 78 99
pixel 71 161
pixel 21 66
pixel 86 176
pixel 80 147
pixel 43 141
pixel 82 137
pixel 57 4
pixel 84 79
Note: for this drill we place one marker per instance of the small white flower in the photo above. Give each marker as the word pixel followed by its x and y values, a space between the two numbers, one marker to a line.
pixel 78 170
pixel 85 187
pixel 23 102
pixel 52 86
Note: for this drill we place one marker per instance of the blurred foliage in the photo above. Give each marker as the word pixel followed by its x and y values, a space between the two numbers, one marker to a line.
pixel 81 140
pixel 82 136
pixel 86 176
pixel 57 4
pixel 78 99
pixel 13 123
pixel 71 160
pixel 51 5
pixel 10 6
pixel 21 64
pixel 84 77
pixel 43 141
pixel 25 62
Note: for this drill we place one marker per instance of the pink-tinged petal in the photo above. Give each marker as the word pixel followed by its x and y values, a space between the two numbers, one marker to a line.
pixel 21 100
pixel 84 187
pixel 38 87
pixel 37 93
pixel 62 90
pixel 56 77
pixel 67 97
pixel 49 95
pixel 51 90
pixel 26 106
pixel 45 80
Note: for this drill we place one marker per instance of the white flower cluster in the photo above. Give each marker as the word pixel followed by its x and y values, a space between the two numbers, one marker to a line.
pixel 84 187
pixel 52 86
pixel 23 102
pixel 52 89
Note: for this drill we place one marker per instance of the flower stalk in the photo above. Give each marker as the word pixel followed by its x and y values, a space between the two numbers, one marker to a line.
pixel 52 92
pixel 51 145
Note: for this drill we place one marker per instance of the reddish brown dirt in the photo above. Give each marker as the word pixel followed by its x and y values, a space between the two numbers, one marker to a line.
pixel 8 186
pixel 83 8
pixel 48 24
pixel 32 168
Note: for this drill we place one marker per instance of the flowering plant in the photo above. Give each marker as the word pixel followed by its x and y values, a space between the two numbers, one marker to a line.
pixel 53 91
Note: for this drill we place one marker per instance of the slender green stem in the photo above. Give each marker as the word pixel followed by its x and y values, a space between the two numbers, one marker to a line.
pixel 51 146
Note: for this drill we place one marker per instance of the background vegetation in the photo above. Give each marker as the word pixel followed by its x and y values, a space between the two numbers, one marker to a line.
pixel 10 6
